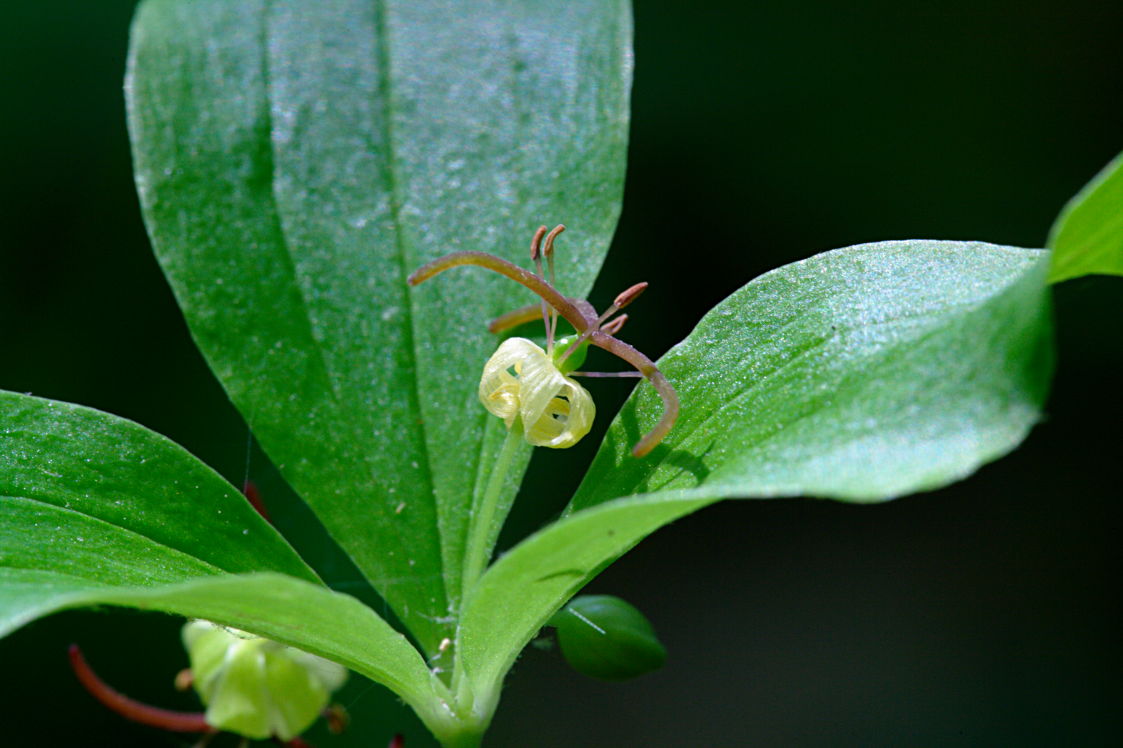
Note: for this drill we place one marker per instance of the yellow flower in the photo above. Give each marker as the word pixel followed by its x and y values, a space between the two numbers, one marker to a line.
pixel 256 687
pixel 520 380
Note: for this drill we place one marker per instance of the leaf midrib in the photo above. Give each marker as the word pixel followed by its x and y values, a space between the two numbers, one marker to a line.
pixel 390 176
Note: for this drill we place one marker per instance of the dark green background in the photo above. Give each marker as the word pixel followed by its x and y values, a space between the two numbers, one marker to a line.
pixel 983 614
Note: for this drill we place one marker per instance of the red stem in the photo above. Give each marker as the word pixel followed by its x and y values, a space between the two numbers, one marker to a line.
pixel 130 709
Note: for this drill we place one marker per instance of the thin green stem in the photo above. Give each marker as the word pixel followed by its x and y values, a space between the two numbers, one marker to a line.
pixel 483 512
pixel 464 739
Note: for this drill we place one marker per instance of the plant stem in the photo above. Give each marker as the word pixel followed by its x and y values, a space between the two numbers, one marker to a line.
pixel 462 740
pixel 483 512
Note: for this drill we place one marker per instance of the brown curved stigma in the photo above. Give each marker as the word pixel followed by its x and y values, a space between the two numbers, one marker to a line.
pixel 578 313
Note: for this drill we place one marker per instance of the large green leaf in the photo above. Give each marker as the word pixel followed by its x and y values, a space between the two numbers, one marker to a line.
pixel 282 608
pixel 95 509
pixel 1087 237
pixel 859 374
pixel 101 499
pixel 296 160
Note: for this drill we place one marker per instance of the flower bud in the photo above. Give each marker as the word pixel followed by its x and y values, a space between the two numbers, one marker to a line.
pixel 607 638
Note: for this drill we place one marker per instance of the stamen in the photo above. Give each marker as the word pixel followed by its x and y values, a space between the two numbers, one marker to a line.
pixel 337 718
pixel 536 255
pixel 130 708
pixel 184 679
pixel 548 250
pixel 625 297
pixel 515 318
pixel 535 244
pixel 629 295
pixel 622 300
pixel 613 325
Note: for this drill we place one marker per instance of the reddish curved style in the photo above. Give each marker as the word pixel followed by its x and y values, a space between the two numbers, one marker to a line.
pixel 131 709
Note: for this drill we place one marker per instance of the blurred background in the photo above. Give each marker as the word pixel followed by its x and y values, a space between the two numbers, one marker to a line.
pixel 982 614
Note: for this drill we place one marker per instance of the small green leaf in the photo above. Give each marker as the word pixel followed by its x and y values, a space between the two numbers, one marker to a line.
pixel 1087 236
pixel 519 593
pixel 608 638
pixel 859 374
pixel 295 161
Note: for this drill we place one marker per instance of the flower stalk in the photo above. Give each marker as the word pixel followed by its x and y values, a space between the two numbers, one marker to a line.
pixel 483 512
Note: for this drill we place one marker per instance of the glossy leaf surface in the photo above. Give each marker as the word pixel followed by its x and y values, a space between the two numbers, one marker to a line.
pixel 859 374
pixel 97 498
pixel 282 608
pixel 1087 237
pixel 605 637
pixel 295 161
pixel 95 509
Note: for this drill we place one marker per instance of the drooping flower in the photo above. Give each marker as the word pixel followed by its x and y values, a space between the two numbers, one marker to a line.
pixel 521 381
pixel 252 686
pixel 257 687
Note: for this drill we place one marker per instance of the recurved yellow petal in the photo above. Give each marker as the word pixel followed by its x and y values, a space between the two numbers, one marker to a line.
pixel 520 379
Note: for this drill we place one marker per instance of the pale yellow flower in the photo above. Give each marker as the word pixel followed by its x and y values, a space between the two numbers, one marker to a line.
pixel 520 380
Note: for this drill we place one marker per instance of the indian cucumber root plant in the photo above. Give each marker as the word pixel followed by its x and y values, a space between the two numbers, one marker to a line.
pixel 307 174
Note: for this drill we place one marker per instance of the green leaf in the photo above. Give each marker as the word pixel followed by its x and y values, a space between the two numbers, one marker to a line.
pixel 859 374
pixel 526 586
pixel 288 610
pixel 95 497
pixel 605 637
pixel 95 509
pixel 1087 236
pixel 295 161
